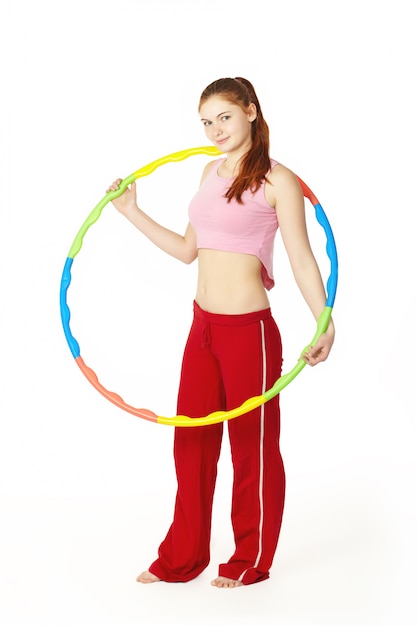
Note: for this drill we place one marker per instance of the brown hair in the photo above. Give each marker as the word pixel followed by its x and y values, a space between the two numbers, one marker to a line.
pixel 256 163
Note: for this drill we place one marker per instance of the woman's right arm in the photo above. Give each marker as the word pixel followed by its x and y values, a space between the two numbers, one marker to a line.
pixel 181 247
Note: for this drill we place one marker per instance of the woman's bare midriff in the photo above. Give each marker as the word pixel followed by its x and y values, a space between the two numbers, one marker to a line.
pixel 230 283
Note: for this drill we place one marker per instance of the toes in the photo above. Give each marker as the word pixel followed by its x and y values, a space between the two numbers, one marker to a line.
pixel 225 583
pixel 147 577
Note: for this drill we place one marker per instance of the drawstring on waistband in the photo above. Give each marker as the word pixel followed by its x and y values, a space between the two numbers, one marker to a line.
pixel 206 336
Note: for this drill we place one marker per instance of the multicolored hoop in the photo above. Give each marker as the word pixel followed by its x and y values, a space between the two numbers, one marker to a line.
pixel 218 416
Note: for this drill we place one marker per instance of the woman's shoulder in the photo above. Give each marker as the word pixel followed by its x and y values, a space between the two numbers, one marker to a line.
pixel 284 184
pixel 281 174
pixel 213 163
pixel 211 166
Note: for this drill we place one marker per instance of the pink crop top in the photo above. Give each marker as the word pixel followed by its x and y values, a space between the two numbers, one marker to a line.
pixel 249 228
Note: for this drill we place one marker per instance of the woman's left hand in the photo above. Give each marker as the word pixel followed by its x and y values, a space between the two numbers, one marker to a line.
pixel 319 352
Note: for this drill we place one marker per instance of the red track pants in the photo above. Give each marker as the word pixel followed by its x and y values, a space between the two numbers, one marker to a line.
pixel 227 359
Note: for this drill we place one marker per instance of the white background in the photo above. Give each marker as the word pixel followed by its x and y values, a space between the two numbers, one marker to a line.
pixel 94 90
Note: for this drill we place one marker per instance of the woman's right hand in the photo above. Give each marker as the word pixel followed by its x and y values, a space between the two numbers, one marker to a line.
pixel 126 202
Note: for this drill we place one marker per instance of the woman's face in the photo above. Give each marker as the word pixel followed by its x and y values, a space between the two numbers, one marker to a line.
pixel 226 125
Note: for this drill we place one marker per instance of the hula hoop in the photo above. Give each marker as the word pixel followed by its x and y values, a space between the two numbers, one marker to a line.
pixel 217 416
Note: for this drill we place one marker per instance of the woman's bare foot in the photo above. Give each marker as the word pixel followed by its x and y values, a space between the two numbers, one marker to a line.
pixel 226 583
pixel 147 577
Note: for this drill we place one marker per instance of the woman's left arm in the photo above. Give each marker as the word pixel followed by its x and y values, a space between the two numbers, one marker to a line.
pixel 289 204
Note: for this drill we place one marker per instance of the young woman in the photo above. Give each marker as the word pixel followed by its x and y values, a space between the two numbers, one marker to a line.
pixel 234 347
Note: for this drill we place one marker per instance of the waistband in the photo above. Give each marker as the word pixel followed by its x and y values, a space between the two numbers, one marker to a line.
pixel 231 320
